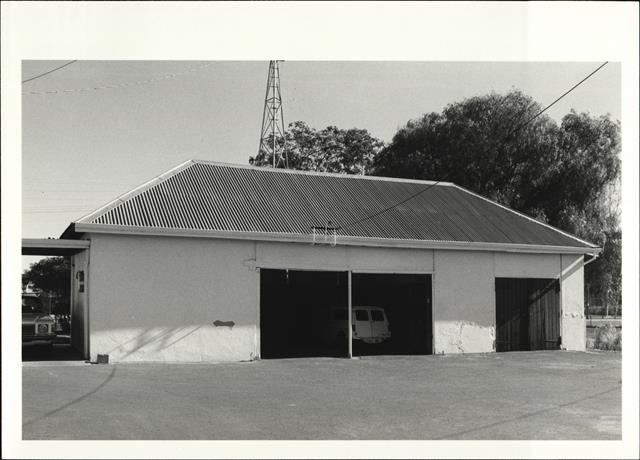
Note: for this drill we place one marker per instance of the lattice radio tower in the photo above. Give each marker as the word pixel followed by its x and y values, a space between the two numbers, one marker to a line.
pixel 272 140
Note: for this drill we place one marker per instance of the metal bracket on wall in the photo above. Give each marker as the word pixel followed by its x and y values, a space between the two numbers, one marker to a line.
pixel 326 234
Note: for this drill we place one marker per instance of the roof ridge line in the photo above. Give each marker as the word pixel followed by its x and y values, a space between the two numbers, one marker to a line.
pixel 521 214
pixel 322 173
pixel 134 192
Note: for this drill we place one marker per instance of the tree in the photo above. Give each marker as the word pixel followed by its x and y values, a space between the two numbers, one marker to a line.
pixel 495 145
pixel 52 275
pixel 348 151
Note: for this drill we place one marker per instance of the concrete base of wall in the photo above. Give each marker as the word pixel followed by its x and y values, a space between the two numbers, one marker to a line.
pixel 173 344
pixel 574 332
pixel 463 337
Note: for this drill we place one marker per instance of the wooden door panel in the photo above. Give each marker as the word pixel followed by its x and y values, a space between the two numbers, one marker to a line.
pixel 527 314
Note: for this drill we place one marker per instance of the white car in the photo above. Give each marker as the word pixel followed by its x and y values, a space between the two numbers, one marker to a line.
pixel 369 324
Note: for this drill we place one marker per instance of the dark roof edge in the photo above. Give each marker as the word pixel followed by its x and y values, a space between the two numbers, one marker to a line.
pixel 136 191
pixel 551 227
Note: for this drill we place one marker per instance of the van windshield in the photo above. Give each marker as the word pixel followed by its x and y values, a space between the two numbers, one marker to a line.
pixel 376 315
pixel 31 305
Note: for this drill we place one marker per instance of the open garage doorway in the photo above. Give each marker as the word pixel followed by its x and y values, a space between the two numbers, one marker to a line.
pixel 54 303
pixel 527 314
pixel 303 313
pixel 397 308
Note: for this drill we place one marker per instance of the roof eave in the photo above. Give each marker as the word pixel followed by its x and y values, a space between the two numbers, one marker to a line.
pixel 340 240
pixel 132 193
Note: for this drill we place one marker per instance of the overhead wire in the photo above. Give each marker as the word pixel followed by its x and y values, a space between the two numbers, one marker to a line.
pixel 420 192
pixel 56 211
pixel 350 224
pixel 563 95
pixel 37 210
pixel 48 72
pixel 118 85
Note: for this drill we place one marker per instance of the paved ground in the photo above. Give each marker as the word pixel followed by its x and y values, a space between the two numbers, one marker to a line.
pixel 528 395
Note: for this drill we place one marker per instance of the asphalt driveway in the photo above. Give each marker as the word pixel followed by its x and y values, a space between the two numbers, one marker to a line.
pixel 528 395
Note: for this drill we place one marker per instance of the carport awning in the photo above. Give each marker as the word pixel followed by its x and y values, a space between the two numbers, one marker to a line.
pixel 52 247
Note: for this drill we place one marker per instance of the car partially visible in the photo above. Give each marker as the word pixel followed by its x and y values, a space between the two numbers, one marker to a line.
pixel 38 325
pixel 369 324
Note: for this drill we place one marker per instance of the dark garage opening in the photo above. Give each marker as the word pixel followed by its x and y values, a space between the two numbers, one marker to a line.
pixel 527 314
pixel 406 301
pixel 59 280
pixel 298 311
pixel 51 310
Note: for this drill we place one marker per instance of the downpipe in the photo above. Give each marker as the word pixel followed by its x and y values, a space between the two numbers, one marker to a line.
pixel 593 257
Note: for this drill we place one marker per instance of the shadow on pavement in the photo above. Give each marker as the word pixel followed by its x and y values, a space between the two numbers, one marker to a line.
pixel 75 401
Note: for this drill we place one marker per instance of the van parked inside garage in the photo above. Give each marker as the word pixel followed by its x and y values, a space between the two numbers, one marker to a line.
pixel 369 324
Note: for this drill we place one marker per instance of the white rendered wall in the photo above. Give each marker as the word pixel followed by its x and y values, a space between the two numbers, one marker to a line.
pixel 511 265
pixel 157 298
pixel 573 322
pixel 463 302
pixel 342 258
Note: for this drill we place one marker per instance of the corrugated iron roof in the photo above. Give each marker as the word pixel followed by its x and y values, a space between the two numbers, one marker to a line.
pixel 207 196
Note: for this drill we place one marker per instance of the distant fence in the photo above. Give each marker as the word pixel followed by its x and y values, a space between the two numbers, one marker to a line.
pixel 599 302
pixel 602 311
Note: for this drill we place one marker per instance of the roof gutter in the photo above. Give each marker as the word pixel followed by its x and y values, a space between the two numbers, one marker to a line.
pixel 340 240
pixel 594 256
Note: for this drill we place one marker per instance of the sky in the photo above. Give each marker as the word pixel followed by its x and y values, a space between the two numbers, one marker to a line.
pixel 96 129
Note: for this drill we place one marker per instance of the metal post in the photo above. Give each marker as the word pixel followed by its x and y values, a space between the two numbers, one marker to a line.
pixel 349 328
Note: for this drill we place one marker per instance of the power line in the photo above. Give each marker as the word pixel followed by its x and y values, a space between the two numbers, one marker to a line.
pixel 558 99
pixel 445 178
pixel 50 71
pixel 118 85
pixel 57 207
pixel 72 211
pixel 76 191
pixel 392 206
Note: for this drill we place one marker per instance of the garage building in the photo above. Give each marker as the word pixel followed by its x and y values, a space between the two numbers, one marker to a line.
pixel 218 262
